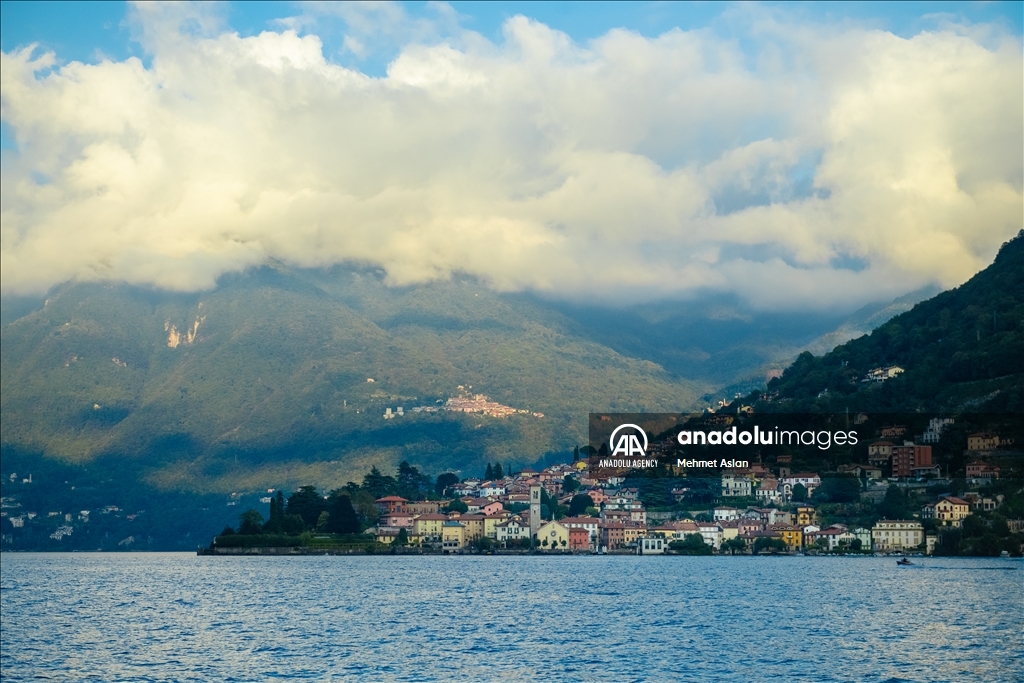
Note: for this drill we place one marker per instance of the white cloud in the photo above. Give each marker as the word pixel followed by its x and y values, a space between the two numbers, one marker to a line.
pixel 628 168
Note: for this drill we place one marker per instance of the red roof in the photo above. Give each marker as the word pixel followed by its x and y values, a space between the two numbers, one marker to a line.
pixel 391 499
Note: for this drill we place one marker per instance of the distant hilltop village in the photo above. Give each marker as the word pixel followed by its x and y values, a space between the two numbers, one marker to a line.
pixel 463 403
pixel 897 503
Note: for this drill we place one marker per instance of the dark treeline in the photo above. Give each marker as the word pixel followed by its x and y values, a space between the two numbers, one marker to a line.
pixel 346 510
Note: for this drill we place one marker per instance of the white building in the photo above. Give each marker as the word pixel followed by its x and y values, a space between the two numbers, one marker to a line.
pixel 896 534
pixel 711 533
pixel 734 485
pixel 651 546
pixel 512 530
pixel 724 513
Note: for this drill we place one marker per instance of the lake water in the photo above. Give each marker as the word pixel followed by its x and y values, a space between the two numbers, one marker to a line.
pixel 178 617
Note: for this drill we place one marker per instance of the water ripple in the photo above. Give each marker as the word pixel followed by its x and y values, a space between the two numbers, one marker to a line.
pixel 177 617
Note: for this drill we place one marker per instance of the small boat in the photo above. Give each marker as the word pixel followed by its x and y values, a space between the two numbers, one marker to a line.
pixel 904 563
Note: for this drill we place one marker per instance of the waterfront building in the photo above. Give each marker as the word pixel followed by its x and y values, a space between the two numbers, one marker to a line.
pixel 711 533
pixel 511 530
pixel 579 539
pixel 453 538
pixel 428 526
pixel 612 535
pixel 896 534
pixel 651 545
pixel 553 536
pixel 792 536
pixel 590 524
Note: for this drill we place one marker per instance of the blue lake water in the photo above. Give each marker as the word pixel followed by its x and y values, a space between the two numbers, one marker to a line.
pixel 178 617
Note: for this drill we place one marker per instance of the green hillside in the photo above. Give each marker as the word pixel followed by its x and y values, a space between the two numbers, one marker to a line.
pixel 263 382
pixel 961 350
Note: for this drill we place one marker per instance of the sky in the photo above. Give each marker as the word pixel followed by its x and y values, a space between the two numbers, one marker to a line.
pixel 798 156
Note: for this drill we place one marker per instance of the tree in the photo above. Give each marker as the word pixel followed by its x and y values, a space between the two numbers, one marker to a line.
pixel 799 493
pixel 766 543
pixel 547 503
pixel 856 544
pixel 489 473
pixel 498 472
pixel 592 512
pixel 894 505
pixel 250 522
pixel 458 506
pixel 307 503
pixel 579 504
pixel 692 544
pixel 444 482
pixel 411 483
pixel 343 519
pixel 570 483
pixel 733 545
pixel 838 489
pixel 366 508
pixel 227 531
pixel 322 521
pixel 274 524
pixel 379 485
pixel 292 524
pixel 403 537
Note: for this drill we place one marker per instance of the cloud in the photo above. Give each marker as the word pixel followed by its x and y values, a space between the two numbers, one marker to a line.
pixel 629 168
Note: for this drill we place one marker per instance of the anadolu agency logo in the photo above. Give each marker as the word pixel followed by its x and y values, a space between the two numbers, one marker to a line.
pixel 626 448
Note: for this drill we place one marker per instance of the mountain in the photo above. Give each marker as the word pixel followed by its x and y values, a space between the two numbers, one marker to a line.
pixel 960 350
pixel 266 380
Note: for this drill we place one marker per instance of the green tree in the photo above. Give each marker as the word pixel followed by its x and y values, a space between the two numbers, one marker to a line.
pixel 895 504
pixel 403 538
pixel 768 544
pixel 579 504
pixel 250 522
pixel 379 485
pixel 458 506
pixel 692 544
pixel 322 521
pixel 799 493
pixel 343 519
pixel 838 489
pixel 444 482
pixel 307 503
pixel 489 473
pixel 592 512
pixel 366 508
pixel 412 485
pixel 292 524
pixel 498 472
pixel 973 526
pixel 733 545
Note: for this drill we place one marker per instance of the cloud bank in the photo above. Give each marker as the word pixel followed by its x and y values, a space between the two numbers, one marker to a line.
pixel 802 165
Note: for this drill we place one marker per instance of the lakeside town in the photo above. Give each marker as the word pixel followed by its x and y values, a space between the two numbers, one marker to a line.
pixel 897 502
pixel 900 499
